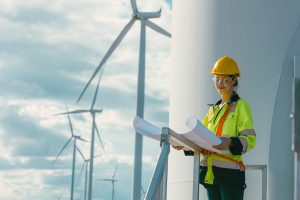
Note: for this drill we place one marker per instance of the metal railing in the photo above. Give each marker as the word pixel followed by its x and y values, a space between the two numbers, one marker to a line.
pixel 264 178
pixel 157 189
pixel 158 185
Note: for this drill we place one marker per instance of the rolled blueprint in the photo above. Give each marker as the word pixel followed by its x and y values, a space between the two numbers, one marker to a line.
pixel 147 129
pixel 198 135
pixel 202 132
pixel 202 137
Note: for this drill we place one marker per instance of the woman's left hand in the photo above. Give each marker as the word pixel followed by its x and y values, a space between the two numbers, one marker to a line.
pixel 224 145
pixel 178 147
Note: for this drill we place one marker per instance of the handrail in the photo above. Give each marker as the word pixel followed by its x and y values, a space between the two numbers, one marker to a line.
pixel 264 178
pixel 158 184
pixel 157 189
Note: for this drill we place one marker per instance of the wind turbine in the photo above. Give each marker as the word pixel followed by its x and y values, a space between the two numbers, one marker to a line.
pixel 93 112
pixel 112 180
pixel 144 19
pixel 85 165
pixel 75 137
pixel 143 192
pixel 136 15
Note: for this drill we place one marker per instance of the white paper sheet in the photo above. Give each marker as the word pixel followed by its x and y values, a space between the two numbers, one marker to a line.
pixel 202 137
pixel 147 129
pixel 198 134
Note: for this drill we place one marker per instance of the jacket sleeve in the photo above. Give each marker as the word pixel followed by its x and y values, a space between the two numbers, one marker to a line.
pixel 247 135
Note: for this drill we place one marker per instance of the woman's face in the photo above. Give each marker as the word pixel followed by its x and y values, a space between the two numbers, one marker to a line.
pixel 224 84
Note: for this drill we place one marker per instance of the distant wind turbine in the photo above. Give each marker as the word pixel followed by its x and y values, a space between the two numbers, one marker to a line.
pixel 112 180
pixel 75 137
pixel 85 166
pixel 93 112
pixel 144 19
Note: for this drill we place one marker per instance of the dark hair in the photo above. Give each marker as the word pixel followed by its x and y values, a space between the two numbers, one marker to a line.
pixel 233 77
pixel 236 82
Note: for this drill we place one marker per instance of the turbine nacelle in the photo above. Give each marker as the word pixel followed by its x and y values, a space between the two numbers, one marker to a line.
pixel 146 15
pixel 112 180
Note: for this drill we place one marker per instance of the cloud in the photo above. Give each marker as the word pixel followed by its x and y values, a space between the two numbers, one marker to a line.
pixel 28 184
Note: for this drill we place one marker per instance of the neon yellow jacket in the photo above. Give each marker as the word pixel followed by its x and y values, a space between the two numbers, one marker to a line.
pixel 238 126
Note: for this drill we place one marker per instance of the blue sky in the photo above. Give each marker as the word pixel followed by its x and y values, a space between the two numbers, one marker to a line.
pixel 48 51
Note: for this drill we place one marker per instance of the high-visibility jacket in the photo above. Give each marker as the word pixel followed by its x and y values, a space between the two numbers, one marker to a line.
pixel 238 125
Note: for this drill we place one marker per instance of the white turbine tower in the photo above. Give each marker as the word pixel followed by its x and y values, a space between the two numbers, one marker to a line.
pixel 93 112
pixel 75 137
pixel 144 19
pixel 112 180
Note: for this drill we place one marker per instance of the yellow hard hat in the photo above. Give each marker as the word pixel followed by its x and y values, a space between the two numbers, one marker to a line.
pixel 226 66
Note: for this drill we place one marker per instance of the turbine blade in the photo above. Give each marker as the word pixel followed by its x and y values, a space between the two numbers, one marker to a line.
pixel 97 110
pixel 133 5
pixel 80 153
pixel 74 112
pixel 97 156
pixel 96 127
pixel 114 174
pixel 80 173
pixel 157 28
pixel 104 179
pixel 142 188
pixel 97 89
pixel 62 150
pixel 82 139
pixel 82 111
pixel 70 123
pixel 108 53
pixel 143 192
pixel 60 196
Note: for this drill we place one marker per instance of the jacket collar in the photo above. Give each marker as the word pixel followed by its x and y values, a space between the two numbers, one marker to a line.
pixel 235 97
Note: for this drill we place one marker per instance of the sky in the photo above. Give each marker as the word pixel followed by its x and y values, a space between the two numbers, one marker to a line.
pixel 48 51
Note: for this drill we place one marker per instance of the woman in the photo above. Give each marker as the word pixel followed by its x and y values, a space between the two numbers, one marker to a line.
pixel 230 118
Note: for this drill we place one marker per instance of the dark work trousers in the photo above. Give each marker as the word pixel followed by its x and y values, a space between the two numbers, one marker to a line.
pixel 228 184
pixel 224 192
